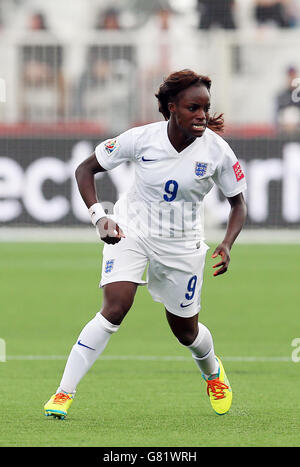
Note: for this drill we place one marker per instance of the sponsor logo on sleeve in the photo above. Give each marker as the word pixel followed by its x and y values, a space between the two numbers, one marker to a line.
pixel 111 145
pixel 238 171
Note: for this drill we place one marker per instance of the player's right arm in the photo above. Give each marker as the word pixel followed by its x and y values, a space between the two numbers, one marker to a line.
pixel 85 173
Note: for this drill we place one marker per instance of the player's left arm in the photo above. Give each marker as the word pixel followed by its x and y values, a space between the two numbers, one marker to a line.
pixel 236 219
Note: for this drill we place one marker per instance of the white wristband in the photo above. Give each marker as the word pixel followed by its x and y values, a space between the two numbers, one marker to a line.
pixel 96 212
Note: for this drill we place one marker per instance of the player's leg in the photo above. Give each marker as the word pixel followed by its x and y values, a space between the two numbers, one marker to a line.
pixel 197 338
pixel 94 337
pixel 176 281
pixel 122 270
pixel 91 342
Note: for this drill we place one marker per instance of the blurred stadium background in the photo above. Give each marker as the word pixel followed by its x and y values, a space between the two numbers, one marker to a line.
pixel 73 73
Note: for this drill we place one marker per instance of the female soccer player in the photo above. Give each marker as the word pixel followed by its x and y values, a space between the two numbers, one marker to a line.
pixel 159 222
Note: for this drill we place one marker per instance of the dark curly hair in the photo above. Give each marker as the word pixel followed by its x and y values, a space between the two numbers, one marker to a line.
pixel 179 81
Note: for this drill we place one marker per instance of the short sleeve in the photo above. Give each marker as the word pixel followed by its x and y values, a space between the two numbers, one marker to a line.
pixel 229 175
pixel 112 152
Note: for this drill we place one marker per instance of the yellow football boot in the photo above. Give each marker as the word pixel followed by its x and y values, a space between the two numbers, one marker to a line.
pixel 58 405
pixel 219 391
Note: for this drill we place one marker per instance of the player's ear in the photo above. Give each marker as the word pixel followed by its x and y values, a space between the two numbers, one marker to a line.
pixel 171 107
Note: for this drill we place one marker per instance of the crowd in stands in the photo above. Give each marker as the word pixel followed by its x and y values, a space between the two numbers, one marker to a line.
pixel 287 103
pixel 134 13
pixel 113 66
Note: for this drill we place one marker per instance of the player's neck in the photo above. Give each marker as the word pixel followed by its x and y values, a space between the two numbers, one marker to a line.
pixel 178 138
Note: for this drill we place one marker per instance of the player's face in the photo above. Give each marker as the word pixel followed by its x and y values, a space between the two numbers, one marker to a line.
pixel 191 110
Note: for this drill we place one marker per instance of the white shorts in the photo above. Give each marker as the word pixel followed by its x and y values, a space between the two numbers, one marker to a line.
pixel 172 279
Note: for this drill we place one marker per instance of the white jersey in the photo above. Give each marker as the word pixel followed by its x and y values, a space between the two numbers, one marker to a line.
pixel 166 199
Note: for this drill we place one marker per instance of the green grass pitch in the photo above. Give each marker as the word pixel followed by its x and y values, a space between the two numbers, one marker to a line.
pixel 50 291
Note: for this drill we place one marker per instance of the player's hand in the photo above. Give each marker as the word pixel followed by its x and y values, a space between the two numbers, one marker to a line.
pixel 108 231
pixel 223 251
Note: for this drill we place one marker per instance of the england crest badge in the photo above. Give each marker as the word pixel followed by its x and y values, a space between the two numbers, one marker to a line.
pixel 200 168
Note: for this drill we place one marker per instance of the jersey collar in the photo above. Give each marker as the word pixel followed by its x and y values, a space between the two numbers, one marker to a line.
pixel 169 146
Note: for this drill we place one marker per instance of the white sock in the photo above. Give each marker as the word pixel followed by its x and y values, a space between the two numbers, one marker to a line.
pixel 203 352
pixel 90 344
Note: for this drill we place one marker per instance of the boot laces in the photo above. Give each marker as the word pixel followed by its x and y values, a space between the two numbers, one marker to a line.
pixel 217 388
pixel 61 398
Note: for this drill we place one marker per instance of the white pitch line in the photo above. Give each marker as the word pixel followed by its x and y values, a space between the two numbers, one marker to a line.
pixel 149 358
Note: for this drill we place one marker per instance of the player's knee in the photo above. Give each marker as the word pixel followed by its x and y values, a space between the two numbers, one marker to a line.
pixel 115 312
pixel 186 337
